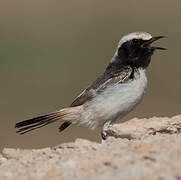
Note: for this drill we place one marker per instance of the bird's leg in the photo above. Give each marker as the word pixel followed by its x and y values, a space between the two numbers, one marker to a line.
pixel 104 129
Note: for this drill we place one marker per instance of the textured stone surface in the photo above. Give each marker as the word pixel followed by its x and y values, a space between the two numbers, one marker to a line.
pixel 151 150
pixel 140 128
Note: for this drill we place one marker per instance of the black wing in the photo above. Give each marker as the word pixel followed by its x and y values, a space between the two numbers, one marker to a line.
pixel 102 82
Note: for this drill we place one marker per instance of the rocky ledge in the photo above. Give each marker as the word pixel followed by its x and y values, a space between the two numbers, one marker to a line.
pixel 143 149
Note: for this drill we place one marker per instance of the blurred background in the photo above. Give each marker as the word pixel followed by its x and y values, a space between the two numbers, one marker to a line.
pixel 51 50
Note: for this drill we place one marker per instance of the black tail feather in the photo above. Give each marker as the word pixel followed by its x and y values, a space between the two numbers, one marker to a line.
pixel 66 115
pixel 34 120
pixel 30 128
pixel 35 123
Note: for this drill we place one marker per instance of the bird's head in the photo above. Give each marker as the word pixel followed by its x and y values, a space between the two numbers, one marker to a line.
pixel 135 49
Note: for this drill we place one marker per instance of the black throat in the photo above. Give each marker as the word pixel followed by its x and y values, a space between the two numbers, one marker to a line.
pixel 132 55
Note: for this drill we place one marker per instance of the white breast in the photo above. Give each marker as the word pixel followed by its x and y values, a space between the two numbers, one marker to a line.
pixel 114 102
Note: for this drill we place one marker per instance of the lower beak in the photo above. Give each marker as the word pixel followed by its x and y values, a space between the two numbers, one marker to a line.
pixel 153 39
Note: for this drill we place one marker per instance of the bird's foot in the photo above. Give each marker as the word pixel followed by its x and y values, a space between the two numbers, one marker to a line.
pixel 103 135
pixel 104 129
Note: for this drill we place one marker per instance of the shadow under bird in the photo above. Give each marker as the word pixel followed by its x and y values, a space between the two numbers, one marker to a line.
pixel 112 95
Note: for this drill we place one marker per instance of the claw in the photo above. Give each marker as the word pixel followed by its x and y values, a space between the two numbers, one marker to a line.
pixel 104 130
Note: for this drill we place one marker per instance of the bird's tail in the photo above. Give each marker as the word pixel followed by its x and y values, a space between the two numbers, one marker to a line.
pixel 66 115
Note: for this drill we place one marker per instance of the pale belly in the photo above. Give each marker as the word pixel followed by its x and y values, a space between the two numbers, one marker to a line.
pixel 114 102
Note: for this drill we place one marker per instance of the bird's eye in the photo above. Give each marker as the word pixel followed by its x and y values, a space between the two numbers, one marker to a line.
pixel 135 41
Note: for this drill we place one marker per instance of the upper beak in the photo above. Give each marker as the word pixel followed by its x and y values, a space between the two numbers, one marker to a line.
pixel 153 39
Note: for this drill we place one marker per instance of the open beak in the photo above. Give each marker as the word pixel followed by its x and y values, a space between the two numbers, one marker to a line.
pixel 153 39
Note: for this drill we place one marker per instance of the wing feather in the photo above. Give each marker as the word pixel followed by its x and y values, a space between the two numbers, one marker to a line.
pixel 101 83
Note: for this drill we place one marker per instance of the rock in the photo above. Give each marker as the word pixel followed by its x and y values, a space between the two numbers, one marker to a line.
pixel 140 128
pixel 144 149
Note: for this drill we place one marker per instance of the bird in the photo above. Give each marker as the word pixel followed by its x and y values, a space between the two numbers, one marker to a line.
pixel 112 95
